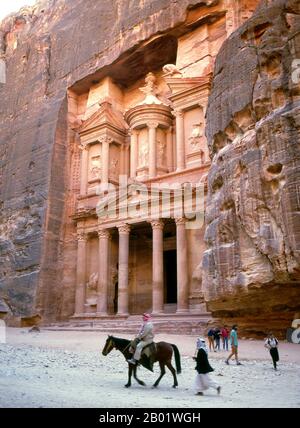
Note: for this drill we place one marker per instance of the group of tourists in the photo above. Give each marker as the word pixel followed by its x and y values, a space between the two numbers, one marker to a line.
pixel 203 368
pixel 215 335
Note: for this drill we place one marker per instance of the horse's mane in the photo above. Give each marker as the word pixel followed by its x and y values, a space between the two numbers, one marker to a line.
pixel 120 342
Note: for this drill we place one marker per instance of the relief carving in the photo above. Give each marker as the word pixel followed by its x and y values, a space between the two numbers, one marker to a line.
pixel 92 282
pixel 196 135
pixel 161 146
pixel 144 155
pixel 96 165
pixel 114 167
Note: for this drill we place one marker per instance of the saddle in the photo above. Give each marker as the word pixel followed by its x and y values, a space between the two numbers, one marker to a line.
pixel 148 353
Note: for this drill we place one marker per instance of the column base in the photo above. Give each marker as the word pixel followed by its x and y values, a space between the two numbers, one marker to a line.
pixel 78 315
pixel 122 314
pixel 101 314
pixel 160 312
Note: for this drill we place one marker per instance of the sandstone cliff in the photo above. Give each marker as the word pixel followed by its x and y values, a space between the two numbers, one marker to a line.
pixel 252 262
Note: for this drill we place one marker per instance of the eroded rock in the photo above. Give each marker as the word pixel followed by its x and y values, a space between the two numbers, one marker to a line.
pixel 251 267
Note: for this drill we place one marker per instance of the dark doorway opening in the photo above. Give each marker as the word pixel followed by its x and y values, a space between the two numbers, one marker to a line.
pixel 116 298
pixel 170 274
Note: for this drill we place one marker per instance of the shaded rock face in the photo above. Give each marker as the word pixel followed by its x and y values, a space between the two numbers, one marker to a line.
pixel 251 266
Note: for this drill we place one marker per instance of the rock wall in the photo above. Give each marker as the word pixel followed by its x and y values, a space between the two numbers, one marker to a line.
pixel 252 262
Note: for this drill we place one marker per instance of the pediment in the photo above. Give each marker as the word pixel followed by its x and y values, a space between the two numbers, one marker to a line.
pixel 178 85
pixel 105 115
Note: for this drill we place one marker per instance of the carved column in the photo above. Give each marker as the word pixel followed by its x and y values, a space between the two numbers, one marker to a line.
pixel 170 149
pixel 81 273
pixel 157 266
pixel 103 276
pixel 152 148
pixel 124 232
pixel 182 266
pixel 133 153
pixel 105 141
pixel 180 149
pixel 84 165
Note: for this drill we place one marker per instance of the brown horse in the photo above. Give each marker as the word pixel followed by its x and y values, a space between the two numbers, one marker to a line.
pixel 163 355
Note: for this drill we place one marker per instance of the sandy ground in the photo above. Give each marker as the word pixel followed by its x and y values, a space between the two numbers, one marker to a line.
pixel 67 369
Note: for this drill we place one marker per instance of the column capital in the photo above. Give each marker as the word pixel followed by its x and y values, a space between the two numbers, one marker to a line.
pixel 82 236
pixel 105 139
pixel 104 233
pixel 124 229
pixel 83 147
pixel 157 224
pixel 180 220
pixel 178 113
pixel 152 124
pixel 132 131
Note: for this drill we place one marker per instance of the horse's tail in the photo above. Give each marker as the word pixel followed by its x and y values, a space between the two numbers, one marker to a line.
pixel 177 358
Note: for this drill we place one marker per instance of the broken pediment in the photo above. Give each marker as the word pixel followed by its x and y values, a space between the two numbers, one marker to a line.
pixel 180 85
pixel 104 116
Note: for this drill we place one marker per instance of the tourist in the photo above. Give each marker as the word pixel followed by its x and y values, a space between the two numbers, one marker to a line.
pixel 224 335
pixel 234 345
pixel 203 380
pixel 144 338
pixel 211 339
pixel 217 337
pixel 272 345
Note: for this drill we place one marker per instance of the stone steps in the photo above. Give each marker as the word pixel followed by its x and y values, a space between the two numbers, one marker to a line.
pixel 188 324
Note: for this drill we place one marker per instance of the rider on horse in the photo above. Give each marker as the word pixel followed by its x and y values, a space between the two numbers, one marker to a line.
pixel 144 338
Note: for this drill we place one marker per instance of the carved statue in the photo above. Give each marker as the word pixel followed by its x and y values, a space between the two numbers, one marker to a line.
pixel 150 89
pixel 171 70
pixel 93 281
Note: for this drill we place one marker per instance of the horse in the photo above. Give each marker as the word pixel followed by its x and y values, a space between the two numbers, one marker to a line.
pixel 163 355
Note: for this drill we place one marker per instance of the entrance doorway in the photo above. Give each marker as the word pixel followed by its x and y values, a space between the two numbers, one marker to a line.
pixel 170 277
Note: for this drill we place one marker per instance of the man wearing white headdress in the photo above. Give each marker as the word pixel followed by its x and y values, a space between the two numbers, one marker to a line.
pixel 203 380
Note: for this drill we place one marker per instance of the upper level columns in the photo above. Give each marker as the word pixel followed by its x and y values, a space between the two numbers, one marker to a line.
pixel 103 274
pixel 105 141
pixel 81 273
pixel 133 152
pixel 180 148
pixel 170 149
pixel 84 169
pixel 152 148
pixel 157 267
pixel 124 231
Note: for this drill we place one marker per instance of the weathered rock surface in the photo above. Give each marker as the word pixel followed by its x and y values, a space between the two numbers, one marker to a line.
pixel 252 262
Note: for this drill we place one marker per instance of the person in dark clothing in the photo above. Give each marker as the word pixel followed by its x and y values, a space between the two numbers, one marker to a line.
pixel 203 381
pixel 217 337
pixel 271 344
pixel 211 337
